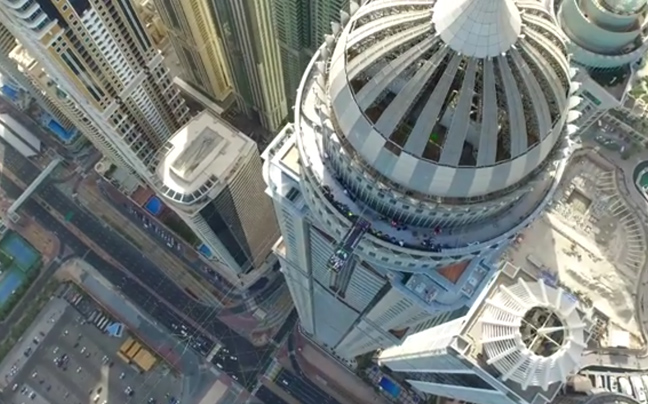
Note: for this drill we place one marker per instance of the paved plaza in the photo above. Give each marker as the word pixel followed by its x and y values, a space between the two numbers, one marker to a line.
pixel 591 240
pixel 62 359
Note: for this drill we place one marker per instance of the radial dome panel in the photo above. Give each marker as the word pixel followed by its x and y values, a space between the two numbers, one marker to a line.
pixel 450 98
pixel 533 334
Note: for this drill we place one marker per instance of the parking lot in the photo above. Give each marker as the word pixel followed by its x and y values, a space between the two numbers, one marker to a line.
pixel 154 228
pixel 75 363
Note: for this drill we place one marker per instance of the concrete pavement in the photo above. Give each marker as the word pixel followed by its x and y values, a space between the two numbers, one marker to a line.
pixel 619 358
pixel 139 323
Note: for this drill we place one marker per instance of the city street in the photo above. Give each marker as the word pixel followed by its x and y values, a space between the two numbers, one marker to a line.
pixel 250 360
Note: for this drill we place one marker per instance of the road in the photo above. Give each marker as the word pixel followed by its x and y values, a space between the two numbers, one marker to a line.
pixel 302 389
pixel 250 359
pixel 268 397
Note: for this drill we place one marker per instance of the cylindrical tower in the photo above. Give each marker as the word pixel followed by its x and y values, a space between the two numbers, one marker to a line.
pixel 604 34
pixel 438 134
pixel 429 133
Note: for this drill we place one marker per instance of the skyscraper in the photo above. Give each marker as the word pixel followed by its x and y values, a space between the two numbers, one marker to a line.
pixel 230 45
pixel 192 30
pixel 210 174
pixel 11 68
pixel 519 345
pixel 301 27
pixel 426 136
pixel 104 74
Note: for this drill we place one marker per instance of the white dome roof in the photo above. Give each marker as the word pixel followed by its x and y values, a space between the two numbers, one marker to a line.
pixel 478 28
pixel 533 334
pixel 470 91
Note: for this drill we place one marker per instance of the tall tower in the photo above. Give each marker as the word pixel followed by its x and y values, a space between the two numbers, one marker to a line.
pixel 210 174
pixel 301 27
pixel 235 42
pixel 16 72
pixel 518 345
pixel 196 39
pixel 426 136
pixel 604 34
pixel 104 74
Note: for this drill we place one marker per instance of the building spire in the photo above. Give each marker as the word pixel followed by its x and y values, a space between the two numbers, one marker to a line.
pixel 478 28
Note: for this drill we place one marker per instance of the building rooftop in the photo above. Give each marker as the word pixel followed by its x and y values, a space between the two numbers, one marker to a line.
pixel 205 152
pixel 528 335
pixel 466 105
pixel 467 237
pixel 291 159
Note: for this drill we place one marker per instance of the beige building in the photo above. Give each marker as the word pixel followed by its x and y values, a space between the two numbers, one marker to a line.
pixel 229 47
pixel 11 67
pixel 95 60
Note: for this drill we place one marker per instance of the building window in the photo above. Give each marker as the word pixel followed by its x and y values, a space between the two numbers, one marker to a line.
pixel 453 379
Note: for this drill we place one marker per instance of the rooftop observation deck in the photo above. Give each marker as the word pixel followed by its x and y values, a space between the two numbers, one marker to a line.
pixel 458 240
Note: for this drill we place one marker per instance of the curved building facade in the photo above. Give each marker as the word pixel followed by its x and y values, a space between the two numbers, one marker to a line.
pixel 604 34
pixel 427 134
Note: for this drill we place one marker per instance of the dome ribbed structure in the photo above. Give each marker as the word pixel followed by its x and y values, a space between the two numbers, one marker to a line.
pixel 462 96
pixel 481 28
pixel 533 334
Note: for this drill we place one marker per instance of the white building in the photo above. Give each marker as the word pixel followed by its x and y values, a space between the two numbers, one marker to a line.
pixel 604 35
pixel 419 150
pixel 209 173
pixel 518 345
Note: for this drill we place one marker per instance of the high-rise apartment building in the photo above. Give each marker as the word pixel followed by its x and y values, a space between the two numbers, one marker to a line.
pixel 210 174
pixel 300 28
pixel 13 69
pixel 230 45
pixel 96 61
pixel 426 136
pixel 519 344
pixel 192 31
